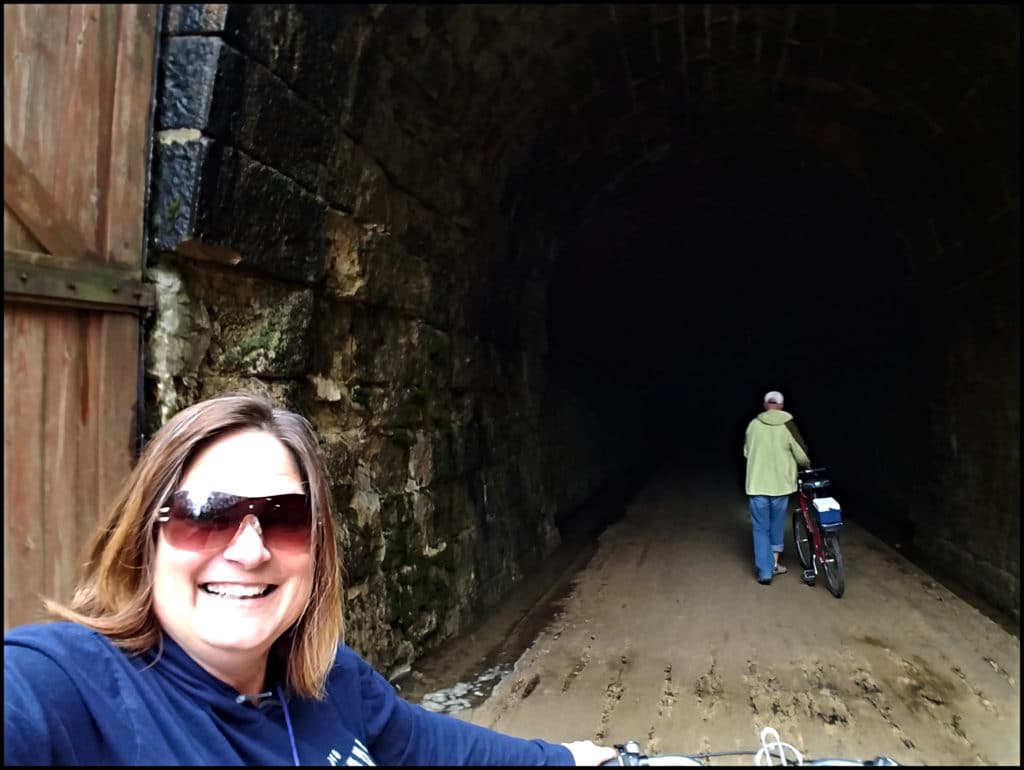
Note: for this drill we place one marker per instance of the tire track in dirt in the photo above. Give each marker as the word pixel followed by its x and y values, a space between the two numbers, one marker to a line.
pixel 829 687
pixel 915 686
pixel 925 687
pixel 669 694
pixel 790 707
pixel 822 697
pixel 1001 671
pixel 870 691
pixel 708 689
pixel 988 705
pixel 581 664
pixel 768 703
pixel 612 696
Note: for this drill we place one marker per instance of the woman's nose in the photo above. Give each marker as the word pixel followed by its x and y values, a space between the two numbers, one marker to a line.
pixel 248 547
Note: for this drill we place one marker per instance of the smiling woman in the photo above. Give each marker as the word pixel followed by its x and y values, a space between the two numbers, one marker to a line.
pixel 208 619
pixel 218 589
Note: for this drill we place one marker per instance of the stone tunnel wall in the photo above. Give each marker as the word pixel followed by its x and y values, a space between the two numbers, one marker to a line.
pixel 312 247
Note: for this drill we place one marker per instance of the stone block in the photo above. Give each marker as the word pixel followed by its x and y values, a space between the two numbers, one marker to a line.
pixel 314 48
pixel 432 457
pixel 207 85
pixel 344 171
pixel 178 164
pixel 362 553
pixel 403 354
pixel 275 227
pixel 257 112
pixel 187 75
pixel 468 362
pixel 194 18
pixel 215 203
pixel 386 454
pixel 257 328
pixel 346 272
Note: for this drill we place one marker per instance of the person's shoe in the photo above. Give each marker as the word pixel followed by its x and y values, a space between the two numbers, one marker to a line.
pixel 779 570
pixel 765 581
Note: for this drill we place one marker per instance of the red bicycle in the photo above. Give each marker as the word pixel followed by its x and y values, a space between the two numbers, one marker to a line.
pixel 816 525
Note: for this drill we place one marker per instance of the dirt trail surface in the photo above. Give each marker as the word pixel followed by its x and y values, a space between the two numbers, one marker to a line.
pixel 666 638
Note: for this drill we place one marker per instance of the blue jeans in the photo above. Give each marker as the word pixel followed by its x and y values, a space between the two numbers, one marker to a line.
pixel 768 519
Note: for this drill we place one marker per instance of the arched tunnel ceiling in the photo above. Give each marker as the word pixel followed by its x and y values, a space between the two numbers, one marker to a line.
pixel 676 149
pixel 554 101
pixel 543 108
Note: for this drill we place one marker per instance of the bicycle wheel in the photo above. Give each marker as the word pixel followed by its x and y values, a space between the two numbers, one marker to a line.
pixel 835 578
pixel 802 540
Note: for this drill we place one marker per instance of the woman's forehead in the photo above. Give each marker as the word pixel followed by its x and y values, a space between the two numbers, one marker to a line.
pixel 247 462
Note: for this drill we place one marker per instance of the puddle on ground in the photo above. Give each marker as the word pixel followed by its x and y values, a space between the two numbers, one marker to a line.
pixel 463 695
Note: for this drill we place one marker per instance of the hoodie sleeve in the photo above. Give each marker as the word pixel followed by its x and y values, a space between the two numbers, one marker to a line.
pixel 402 733
pixel 797 445
pixel 46 720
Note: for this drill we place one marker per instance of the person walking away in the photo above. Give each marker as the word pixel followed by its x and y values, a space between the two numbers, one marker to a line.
pixel 773 447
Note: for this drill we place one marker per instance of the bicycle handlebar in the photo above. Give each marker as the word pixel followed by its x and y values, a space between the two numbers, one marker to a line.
pixel 629 756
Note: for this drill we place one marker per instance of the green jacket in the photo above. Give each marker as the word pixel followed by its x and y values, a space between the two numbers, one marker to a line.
pixel 773 448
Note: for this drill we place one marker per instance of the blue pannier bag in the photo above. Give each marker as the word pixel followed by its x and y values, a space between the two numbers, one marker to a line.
pixel 830 515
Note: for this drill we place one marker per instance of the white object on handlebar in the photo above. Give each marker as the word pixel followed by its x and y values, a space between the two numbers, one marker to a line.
pixel 764 755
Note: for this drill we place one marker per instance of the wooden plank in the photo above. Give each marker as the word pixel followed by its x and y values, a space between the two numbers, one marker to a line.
pixel 83 111
pixel 22 25
pixel 37 209
pixel 62 364
pixel 86 418
pixel 35 51
pixel 24 461
pixel 122 234
pixel 108 55
pixel 117 378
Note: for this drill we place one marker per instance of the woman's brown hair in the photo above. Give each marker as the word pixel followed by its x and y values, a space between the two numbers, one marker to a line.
pixel 114 592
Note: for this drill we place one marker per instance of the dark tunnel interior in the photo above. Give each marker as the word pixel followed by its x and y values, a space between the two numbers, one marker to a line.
pixel 691 290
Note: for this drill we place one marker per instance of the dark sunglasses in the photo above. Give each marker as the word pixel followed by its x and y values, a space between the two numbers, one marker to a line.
pixel 197 523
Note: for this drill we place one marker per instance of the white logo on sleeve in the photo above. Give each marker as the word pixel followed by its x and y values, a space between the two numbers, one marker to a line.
pixel 358 757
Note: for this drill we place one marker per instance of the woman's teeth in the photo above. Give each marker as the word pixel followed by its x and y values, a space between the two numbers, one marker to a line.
pixel 236 591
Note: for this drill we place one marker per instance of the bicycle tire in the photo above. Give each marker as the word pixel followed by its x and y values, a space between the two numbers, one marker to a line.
pixel 835 577
pixel 802 540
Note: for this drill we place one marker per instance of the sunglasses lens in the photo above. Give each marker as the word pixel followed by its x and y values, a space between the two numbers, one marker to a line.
pixel 286 522
pixel 212 522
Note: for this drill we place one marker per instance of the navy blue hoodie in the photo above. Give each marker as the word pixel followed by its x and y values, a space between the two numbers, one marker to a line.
pixel 72 697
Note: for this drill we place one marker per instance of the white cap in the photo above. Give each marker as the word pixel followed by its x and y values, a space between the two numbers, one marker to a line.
pixel 773 397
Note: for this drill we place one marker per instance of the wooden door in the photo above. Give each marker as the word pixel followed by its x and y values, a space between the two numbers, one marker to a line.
pixel 78 82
